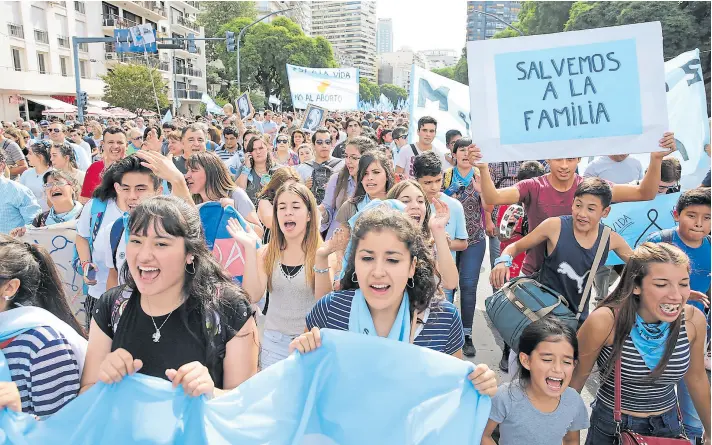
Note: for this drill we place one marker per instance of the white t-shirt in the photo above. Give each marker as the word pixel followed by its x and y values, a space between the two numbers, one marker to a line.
pixel 442 151
pixel 101 242
pixel 33 181
pixel 243 203
pixel 108 258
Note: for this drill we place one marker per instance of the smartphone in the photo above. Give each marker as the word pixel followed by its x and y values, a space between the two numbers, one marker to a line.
pixel 91 273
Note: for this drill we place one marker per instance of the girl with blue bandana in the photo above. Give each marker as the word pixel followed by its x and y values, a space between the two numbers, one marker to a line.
pixel 388 291
pixel 658 338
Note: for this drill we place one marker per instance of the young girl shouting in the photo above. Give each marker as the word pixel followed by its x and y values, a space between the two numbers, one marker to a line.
pixel 539 406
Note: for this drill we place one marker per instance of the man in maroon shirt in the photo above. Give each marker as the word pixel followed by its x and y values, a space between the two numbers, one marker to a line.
pixel 552 195
pixel 113 149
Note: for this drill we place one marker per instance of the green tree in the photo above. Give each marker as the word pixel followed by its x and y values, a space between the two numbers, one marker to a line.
pixel 394 93
pixel 129 86
pixel 214 15
pixel 368 91
pixel 448 71
pixel 461 68
pixel 265 51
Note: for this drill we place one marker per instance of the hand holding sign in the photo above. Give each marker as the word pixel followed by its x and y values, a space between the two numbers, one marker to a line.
pixel 668 143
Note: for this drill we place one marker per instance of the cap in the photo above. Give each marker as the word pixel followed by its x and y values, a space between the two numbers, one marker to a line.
pixel 44 123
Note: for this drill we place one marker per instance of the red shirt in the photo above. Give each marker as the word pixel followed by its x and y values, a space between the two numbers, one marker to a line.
pixel 92 179
pixel 541 201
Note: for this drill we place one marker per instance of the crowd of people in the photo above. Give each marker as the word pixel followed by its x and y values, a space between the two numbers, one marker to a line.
pixel 349 227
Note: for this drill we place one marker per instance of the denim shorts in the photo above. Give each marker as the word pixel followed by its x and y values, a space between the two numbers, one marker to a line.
pixel 603 429
pixel 274 348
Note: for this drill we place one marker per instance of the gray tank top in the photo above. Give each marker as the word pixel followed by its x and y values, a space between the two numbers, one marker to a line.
pixel 566 269
pixel 290 301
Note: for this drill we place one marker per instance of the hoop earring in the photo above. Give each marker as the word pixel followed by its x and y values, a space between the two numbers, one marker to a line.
pixel 8 297
pixel 410 283
pixel 188 271
pixel 354 278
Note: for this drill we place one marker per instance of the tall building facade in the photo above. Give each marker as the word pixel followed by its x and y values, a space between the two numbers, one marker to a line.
pixel 350 27
pixel 300 13
pixel 440 58
pixel 384 36
pixel 36 59
pixel 483 27
pixel 395 67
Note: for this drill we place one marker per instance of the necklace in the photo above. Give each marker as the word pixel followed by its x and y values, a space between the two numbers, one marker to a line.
pixel 157 335
pixel 290 272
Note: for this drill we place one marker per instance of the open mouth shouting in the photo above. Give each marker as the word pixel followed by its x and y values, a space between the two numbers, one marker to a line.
pixel 148 274
pixel 379 289
pixel 289 226
pixel 554 384
pixel 56 194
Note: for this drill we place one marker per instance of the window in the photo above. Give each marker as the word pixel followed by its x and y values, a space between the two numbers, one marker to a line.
pixel 79 7
pixel 63 65
pixel 16 59
pixel 83 68
pixel 41 67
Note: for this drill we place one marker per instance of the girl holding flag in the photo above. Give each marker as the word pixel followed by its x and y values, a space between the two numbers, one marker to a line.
pixel 42 346
pixel 388 291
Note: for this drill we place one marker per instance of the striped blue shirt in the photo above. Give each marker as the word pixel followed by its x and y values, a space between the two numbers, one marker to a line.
pixel 43 366
pixel 442 330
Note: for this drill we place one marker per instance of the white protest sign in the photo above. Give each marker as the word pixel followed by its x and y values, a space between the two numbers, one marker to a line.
pixel 578 93
pixel 441 98
pixel 687 113
pixel 142 34
pixel 331 88
pixel 58 240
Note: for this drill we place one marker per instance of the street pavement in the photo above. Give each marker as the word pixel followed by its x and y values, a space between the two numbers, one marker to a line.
pixel 489 344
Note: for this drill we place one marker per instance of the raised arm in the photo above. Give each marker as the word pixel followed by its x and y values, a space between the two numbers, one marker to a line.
pixel 648 187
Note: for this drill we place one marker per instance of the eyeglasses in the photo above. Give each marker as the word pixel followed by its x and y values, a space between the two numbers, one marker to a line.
pixel 669 188
pixel 49 185
pixel 405 136
pixel 354 158
pixel 322 141
pixel 137 138
pixel 55 130
pixel 282 141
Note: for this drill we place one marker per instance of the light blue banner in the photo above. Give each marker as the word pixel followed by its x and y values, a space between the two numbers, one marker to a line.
pixel 337 394
pixel 210 105
pixel 572 92
pixel 634 221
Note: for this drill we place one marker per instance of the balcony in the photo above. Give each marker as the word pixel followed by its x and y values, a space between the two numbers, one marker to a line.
pixel 41 36
pixel 151 10
pixel 195 5
pixel 114 21
pixel 189 71
pixel 186 23
pixel 63 41
pixel 15 30
pixel 188 94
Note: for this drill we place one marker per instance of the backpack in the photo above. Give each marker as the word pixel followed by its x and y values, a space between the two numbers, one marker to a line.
pixel 98 209
pixel 320 177
pixel 115 238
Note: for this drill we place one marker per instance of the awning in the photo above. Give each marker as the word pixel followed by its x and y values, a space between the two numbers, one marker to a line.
pixel 50 102
pixel 97 103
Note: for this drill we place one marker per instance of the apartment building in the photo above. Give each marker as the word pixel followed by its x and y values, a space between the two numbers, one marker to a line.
pixel 36 59
pixel 300 12
pixel 440 58
pixel 350 27
pixel 384 36
pixel 483 27
pixel 395 67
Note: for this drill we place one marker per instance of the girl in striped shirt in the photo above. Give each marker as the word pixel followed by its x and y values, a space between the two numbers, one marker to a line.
pixel 659 339
pixel 43 356
pixel 388 291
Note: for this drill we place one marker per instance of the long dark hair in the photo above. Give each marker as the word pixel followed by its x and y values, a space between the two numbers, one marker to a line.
pixel 625 303
pixel 210 289
pixel 546 329
pixel 269 163
pixel 366 160
pixel 363 144
pixel 426 278
pixel 397 189
pixel 218 183
pixel 40 285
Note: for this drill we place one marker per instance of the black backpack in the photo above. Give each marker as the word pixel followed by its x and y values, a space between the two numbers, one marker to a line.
pixel 320 177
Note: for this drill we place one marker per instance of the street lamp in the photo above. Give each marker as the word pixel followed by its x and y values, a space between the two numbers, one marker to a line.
pixel 239 37
pixel 498 19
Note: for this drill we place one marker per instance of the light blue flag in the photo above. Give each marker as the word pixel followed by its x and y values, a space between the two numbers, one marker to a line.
pixel 634 221
pixel 167 118
pixel 338 394
pixel 210 105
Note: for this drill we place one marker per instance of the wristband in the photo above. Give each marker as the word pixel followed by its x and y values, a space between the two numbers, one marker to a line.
pixel 506 259
pixel 320 270
pixel 244 171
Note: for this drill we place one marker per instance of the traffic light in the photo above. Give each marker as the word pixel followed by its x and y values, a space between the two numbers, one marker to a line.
pixel 83 103
pixel 191 43
pixel 230 41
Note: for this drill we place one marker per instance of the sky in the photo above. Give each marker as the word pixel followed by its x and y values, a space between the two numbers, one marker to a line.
pixel 426 24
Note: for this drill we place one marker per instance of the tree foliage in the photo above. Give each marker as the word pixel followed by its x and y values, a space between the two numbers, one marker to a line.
pixel 368 91
pixel 214 15
pixel 265 51
pixel 394 93
pixel 129 86
pixel 448 71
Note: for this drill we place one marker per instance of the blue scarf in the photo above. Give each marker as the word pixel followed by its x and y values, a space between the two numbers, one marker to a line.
pixel 58 218
pixel 361 322
pixel 459 182
pixel 649 339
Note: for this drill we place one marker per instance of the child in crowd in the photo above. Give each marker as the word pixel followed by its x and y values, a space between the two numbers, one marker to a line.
pixel 540 404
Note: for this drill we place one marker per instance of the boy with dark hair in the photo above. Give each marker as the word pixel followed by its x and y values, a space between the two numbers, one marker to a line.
pixel 427 127
pixel 354 129
pixel 692 236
